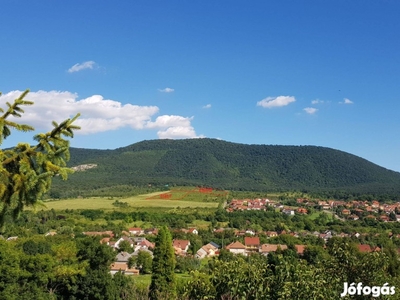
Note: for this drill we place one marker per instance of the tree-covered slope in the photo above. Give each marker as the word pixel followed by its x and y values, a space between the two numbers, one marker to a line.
pixel 232 166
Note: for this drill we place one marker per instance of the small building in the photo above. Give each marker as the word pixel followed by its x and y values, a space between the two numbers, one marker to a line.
pixel 237 248
pixel 123 267
pixel 181 246
pixel 269 248
pixel 252 243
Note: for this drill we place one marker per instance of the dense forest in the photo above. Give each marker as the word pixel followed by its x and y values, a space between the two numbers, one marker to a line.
pixel 228 165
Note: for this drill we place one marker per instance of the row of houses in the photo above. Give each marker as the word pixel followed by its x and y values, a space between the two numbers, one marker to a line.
pixel 262 204
pixel 252 245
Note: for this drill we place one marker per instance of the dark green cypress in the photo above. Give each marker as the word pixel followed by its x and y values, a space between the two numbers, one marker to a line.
pixel 163 282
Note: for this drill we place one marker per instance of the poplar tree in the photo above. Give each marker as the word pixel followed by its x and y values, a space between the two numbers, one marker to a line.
pixel 26 171
pixel 163 282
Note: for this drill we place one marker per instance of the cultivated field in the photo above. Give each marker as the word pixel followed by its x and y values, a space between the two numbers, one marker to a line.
pixel 106 203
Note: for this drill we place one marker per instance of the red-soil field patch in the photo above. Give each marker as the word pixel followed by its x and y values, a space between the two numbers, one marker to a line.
pixel 180 194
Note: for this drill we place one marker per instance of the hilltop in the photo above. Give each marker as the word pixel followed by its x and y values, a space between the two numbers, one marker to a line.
pixel 221 164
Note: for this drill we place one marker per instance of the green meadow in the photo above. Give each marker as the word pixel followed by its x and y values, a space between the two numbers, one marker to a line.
pixel 106 203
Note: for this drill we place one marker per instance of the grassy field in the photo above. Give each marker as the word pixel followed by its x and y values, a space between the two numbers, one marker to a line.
pixel 145 280
pixel 106 203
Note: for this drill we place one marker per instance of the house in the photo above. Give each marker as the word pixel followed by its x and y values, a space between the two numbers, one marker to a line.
pixel 346 212
pixel 249 231
pixel 289 212
pixel 237 248
pixel 209 250
pixel 146 244
pixel 190 230
pixel 151 231
pixel 124 238
pixel 300 249
pixel 136 231
pixel 181 246
pixel 353 217
pixel 137 250
pixel 302 211
pixel 123 257
pixel 252 243
pixel 123 267
pixel 193 231
pixel 271 233
pixel 364 248
pixel 268 248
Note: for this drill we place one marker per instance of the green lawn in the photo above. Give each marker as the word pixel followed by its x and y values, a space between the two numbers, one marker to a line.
pixel 145 280
pixel 136 201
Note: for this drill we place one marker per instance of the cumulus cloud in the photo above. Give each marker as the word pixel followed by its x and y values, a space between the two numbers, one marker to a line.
pixel 347 101
pixel 166 90
pixel 79 67
pixel 169 121
pixel 207 106
pixel 173 127
pixel 279 101
pixel 310 110
pixel 98 114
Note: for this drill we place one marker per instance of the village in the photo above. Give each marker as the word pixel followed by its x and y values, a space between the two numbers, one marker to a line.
pixel 248 241
pixel 352 210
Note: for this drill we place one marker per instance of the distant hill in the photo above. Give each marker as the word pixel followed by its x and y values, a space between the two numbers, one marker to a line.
pixel 227 165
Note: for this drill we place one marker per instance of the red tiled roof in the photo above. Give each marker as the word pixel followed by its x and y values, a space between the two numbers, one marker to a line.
pixel 266 248
pixel 252 241
pixel 364 248
pixel 300 248
pixel 181 244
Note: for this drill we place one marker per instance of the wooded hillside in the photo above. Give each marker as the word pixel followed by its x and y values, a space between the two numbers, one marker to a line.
pixel 227 165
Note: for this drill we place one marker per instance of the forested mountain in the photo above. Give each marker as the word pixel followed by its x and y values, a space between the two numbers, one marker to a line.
pixel 229 165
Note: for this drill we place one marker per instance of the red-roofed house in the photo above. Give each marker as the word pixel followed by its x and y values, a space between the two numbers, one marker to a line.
pixel 252 243
pixel 268 248
pixel 300 249
pixel 364 248
pixel 181 246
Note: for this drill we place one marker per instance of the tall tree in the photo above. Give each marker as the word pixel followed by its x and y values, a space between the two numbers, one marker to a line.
pixel 26 171
pixel 163 282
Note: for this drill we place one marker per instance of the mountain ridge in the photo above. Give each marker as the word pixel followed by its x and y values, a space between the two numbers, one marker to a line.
pixel 228 165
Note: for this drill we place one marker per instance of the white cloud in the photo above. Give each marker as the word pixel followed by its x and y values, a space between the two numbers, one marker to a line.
pixel 177 132
pixel 207 106
pixel 173 127
pixel 79 67
pixel 317 101
pixel 347 101
pixel 270 102
pixel 166 90
pixel 169 121
pixel 310 110
pixel 98 114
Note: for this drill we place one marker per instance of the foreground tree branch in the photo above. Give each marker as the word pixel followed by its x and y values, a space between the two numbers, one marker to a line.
pixel 26 171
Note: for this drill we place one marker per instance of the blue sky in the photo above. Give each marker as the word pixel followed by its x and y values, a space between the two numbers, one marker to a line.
pixel 322 73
